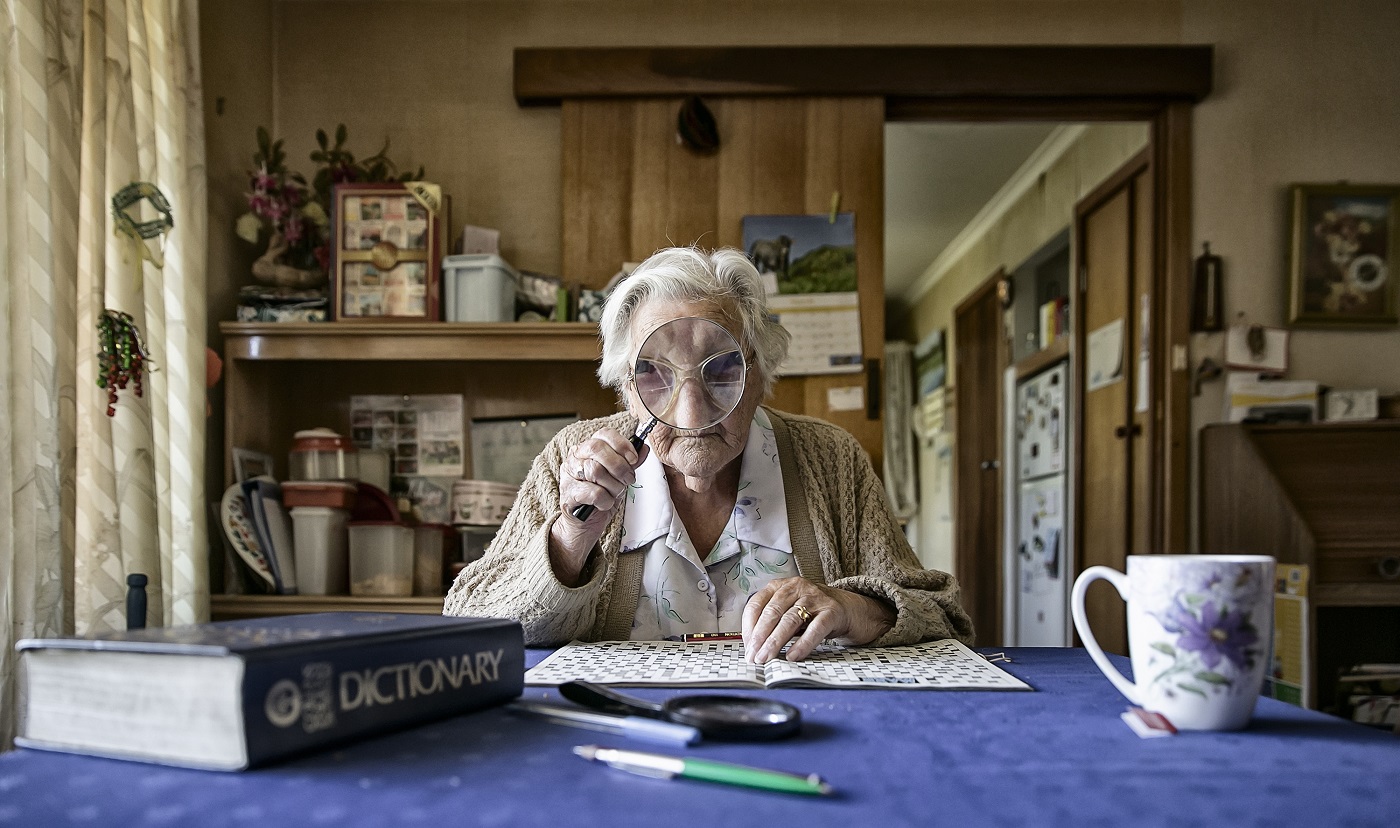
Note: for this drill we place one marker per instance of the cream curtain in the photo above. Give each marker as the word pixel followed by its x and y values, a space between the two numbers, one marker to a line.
pixel 901 472
pixel 98 95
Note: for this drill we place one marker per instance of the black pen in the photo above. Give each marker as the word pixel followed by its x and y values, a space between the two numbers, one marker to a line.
pixel 633 727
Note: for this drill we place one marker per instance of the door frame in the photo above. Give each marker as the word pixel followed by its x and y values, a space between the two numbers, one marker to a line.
pixel 1158 84
pixel 981 570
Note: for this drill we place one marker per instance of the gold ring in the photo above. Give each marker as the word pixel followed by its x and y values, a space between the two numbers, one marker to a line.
pixel 802 613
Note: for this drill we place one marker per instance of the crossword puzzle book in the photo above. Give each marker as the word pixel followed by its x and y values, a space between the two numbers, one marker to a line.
pixel 936 665
pixel 232 694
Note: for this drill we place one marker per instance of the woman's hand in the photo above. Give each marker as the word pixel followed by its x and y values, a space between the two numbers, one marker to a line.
pixel 789 607
pixel 596 472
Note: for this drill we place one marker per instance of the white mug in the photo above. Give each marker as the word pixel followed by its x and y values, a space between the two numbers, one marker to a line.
pixel 1199 632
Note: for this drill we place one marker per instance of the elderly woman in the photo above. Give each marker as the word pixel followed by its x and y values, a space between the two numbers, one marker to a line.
pixel 767 523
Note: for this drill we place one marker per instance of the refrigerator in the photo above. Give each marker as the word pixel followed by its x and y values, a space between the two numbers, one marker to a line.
pixel 1039 565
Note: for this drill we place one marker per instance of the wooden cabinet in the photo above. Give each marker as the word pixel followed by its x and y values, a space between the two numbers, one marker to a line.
pixel 284 377
pixel 1326 495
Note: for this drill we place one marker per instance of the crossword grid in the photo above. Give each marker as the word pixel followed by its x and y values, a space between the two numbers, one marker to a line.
pixel 934 665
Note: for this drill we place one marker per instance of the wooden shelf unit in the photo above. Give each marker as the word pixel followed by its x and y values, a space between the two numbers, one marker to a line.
pixel 234 607
pixel 1326 495
pixel 1044 358
pixel 280 378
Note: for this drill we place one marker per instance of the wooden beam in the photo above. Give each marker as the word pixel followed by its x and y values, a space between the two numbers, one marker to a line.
pixel 546 76
pixel 1171 165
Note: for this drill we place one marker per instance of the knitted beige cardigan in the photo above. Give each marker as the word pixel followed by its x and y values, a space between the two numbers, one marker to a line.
pixel 843 535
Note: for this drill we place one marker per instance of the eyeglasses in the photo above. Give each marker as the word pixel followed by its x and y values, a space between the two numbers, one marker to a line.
pixel 721 377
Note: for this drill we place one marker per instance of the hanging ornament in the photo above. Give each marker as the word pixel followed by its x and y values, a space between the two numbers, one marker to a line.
pixel 696 127
pixel 121 356
pixel 139 232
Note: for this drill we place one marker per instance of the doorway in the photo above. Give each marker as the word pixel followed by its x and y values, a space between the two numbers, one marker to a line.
pixel 1012 526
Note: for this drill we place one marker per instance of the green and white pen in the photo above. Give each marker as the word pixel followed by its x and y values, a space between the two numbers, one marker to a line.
pixel 661 766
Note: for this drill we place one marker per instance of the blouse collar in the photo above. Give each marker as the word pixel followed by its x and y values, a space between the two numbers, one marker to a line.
pixel 760 510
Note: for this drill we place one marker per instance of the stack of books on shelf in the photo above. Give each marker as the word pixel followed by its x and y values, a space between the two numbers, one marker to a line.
pixel 264 303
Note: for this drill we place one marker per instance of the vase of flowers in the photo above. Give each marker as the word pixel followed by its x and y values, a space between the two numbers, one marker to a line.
pixel 292 214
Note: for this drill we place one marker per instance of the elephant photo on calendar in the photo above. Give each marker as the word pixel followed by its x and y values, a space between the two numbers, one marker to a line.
pixel 803 254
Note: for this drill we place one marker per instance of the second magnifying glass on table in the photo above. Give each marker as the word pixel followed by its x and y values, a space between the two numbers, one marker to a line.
pixel 689 374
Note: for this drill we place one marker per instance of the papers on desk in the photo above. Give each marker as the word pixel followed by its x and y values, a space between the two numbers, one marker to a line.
pixel 935 665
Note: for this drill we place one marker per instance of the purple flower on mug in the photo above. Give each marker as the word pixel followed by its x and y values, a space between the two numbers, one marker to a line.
pixel 1176 617
pixel 1216 635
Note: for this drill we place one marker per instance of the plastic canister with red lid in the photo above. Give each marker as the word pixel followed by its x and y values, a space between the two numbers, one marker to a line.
pixel 322 454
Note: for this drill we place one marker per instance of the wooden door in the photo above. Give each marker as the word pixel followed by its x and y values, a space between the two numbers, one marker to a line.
pixel 981 355
pixel 1114 386
pixel 629 188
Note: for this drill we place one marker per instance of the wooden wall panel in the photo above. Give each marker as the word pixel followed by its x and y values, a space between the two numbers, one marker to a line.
pixel 597 148
pixel 651 156
pixel 629 188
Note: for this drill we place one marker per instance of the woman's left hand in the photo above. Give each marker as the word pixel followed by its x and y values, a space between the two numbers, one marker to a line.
pixel 791 607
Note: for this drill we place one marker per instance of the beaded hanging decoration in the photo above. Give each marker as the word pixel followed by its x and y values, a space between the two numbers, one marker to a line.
pixel 121 357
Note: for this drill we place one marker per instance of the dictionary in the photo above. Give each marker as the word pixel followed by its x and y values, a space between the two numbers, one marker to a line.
pixel 234 694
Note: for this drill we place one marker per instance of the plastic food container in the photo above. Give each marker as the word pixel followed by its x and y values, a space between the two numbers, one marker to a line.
pixel 481 502
pixel 473 540
pixel 322 454
pixel 381 558
pixel 319 539
pixel 478 287
pixel 329 494
pixel 374 467
pixel 431 545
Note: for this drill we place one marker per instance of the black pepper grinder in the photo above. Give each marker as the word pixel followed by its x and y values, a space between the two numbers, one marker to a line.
pixel 136 601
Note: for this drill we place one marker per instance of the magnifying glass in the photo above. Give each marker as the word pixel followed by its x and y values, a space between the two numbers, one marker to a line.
pixel 689 374
pixel 730 718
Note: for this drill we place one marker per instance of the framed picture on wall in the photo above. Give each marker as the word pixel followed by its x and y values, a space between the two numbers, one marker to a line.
pixel 386 252
pixel 1345 239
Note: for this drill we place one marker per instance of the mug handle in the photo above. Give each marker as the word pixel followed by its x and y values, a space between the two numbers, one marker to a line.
pixel 1081 625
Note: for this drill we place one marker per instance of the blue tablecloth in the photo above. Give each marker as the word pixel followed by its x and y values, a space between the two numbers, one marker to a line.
pixel 1058 756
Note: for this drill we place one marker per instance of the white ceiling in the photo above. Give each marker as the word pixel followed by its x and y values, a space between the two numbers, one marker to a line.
pixel 937 177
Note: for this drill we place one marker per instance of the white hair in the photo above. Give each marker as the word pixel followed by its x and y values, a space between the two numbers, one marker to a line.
pixel 723 278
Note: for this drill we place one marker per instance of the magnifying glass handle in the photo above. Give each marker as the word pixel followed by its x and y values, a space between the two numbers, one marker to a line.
pixel 599 697
pixel 584 510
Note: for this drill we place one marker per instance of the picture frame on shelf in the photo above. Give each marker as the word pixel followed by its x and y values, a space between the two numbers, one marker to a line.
pixel 1257 348
pixel 248 464
pixel 1344 240
pixel 386 252
pixel 1347 404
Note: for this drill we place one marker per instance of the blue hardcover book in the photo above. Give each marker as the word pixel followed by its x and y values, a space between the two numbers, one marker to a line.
pixel 233 694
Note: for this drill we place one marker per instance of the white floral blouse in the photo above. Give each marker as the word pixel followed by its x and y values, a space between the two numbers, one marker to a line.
pixel 685 592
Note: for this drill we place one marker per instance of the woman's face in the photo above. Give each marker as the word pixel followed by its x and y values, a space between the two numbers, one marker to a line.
pixel 701 453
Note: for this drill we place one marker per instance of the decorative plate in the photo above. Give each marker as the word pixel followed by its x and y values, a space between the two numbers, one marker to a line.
pixel 238 526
